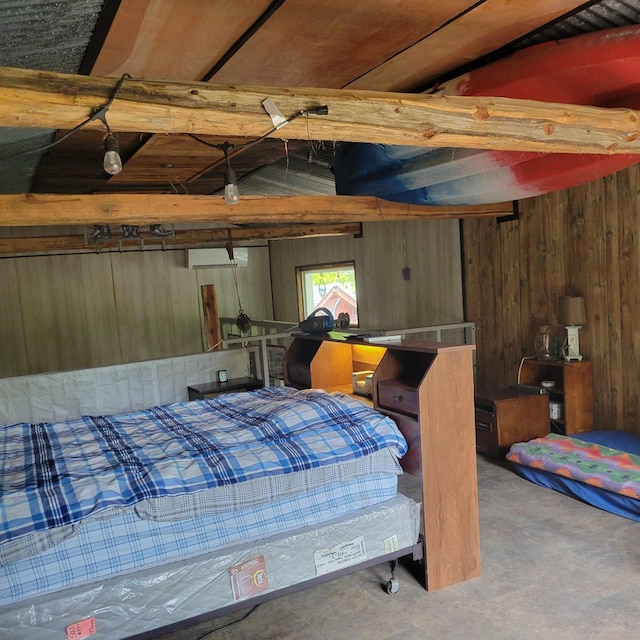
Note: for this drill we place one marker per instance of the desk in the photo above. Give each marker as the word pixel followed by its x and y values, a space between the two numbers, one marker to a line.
pixel 209 389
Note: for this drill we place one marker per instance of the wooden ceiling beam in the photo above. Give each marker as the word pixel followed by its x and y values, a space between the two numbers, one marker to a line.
pixel 46 99
pixel 27 210
pixel 181 238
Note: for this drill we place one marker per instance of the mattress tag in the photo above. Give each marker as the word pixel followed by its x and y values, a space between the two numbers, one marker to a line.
pixel 82 629
pixel 342 555
pixel 249 578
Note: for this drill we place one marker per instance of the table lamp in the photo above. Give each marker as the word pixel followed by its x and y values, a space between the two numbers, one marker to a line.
pixel 573 316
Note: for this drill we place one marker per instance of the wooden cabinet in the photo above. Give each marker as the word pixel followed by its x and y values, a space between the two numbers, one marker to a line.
pixel 572 389
pixel 427 388
pixel 505 416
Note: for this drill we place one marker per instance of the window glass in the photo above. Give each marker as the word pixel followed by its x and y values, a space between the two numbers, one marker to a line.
pixel 332 286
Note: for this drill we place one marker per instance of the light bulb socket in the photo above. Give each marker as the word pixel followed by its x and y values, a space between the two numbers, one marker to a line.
pixel 319 111
pixel 111 143
pixel 230 176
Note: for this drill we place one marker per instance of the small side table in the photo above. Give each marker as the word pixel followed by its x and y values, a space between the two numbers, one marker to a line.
pixel 209 389
pixel 506 416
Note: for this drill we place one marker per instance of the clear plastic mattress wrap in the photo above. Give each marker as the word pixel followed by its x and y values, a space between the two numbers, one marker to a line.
pixel 154 597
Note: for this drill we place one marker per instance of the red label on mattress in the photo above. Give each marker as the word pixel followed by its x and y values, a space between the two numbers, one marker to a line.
pixel 81 629
pixel 249 578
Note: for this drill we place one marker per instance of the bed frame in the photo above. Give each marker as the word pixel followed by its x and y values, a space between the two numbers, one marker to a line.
pixel 415 552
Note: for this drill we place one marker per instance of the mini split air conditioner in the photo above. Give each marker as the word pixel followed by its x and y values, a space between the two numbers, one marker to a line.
pixel 216 258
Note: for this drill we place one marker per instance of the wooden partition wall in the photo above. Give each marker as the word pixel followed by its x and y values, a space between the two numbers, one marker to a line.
pixel 87 310
pixel 583 241
pixel 430 249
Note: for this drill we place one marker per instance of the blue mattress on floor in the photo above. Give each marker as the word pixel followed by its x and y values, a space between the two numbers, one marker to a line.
pixel 610 501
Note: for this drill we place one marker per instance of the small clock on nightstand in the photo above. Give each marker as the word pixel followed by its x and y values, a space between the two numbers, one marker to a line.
pixel 222 376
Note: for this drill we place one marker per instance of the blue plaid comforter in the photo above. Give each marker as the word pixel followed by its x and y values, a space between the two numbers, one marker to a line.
pixel 55 474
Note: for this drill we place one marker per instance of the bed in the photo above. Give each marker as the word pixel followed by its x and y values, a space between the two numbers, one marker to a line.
pixel 116 526
pixel 601 468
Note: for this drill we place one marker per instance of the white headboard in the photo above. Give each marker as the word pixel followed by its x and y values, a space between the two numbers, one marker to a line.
pixel 50 397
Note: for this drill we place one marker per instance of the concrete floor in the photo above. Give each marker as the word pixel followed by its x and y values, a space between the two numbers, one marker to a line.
pixel 552 568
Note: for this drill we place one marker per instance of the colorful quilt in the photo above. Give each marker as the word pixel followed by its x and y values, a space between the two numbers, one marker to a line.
pixel 591 463
pixel 55 474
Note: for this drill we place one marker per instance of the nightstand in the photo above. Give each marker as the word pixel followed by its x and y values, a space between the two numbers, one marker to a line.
pixel 573 388
pixel 209 389
pixel 507 416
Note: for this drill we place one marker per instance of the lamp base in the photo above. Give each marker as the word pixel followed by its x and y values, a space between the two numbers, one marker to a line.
pixel 571 350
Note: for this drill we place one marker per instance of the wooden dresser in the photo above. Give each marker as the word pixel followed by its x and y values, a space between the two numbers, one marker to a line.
pixel 427 388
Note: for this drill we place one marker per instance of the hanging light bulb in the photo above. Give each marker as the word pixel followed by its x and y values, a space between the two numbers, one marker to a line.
pixel 112 161
pixel 231 192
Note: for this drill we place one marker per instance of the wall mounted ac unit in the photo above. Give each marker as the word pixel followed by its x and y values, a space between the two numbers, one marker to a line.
pixel 216 258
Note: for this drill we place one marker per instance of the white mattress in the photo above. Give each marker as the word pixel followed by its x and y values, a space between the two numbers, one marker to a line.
pixel 148 599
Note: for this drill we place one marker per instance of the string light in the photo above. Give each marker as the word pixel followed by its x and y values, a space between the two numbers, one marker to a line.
pixel 112 161
pixel 231 191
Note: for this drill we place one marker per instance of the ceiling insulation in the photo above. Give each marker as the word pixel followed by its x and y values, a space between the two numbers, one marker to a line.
pixel 52 36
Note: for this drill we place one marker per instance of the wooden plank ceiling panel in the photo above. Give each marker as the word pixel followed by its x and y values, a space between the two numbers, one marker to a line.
pixel 483 29
pixel 179 160
pixel 167 158
pixel 330 43
pixel 180 40
pixel 176 40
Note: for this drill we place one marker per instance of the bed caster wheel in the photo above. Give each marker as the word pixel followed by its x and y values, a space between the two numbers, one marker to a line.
pixel 393 586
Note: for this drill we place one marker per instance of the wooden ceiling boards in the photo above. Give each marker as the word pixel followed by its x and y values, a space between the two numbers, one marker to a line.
pixel 330 43
pixel 174 40
pixel 486 27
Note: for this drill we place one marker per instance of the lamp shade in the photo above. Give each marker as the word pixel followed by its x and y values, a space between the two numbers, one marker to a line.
pixel 572 311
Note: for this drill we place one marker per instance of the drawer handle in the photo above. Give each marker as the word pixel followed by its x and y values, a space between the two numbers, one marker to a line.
pixel 397 398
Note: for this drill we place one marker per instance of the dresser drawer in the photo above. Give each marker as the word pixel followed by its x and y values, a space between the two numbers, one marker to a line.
pixel 398 397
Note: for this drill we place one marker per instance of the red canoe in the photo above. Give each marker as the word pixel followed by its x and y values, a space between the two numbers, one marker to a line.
pixel 601 68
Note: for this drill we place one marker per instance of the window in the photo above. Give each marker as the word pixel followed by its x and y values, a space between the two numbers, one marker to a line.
pixel 332 286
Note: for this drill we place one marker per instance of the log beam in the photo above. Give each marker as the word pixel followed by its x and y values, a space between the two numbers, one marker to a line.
pixel 28 210
pixel 61 101
pixel 182 238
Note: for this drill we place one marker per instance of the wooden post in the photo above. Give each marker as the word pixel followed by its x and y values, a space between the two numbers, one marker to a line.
pixel 211 319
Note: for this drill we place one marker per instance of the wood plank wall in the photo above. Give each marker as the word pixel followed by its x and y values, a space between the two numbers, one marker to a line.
pixel 583 241
pixel 431 250
pixel 67 312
